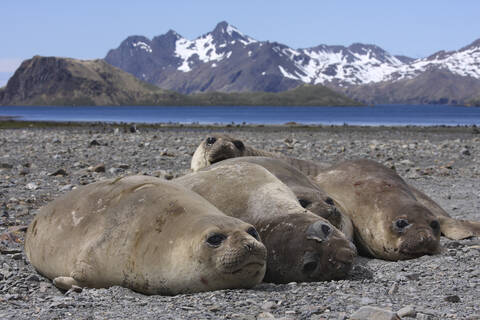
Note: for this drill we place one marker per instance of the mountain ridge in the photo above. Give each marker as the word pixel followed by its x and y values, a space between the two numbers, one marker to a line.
pixel 227 60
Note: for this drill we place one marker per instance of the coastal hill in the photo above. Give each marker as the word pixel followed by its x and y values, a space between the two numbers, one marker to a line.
pixel 228 60
pixel 72 82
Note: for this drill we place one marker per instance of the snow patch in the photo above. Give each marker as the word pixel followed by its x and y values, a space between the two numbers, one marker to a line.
pixel 143 46
pixel 203 48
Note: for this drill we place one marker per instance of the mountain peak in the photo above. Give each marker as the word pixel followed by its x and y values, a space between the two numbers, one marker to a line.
pixel 225 32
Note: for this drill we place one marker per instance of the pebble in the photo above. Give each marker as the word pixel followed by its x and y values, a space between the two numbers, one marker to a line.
pixel 407 311
pixel 374 313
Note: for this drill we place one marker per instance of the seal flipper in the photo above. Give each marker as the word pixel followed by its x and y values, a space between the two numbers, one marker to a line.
pixel 459 229
pixel 66 283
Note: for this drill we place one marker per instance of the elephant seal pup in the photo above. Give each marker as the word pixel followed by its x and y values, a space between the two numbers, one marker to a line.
pixel 301 245
pixel 389 222
pixel 146 234
pixel 309 195
pixel 217 147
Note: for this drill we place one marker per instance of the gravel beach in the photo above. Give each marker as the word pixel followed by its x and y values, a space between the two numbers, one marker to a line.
pixel 39 164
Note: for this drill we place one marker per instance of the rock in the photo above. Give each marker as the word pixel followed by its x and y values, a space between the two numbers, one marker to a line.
pixel 59 172
pixel 269 305
pixel 265 315
pixel 367 300
pixel 31 186
pixel 465 152
pixel 393 289
pixel 407 311
pixel 452 298
pixel 33 278
pixel 374 313
pixel 97 168
pixel 17 256
pixel 67 187
pixel 94 143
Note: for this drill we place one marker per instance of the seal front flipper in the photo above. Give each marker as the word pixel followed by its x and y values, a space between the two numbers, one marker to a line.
pixel 66 283
pixel 459 229
pixel 78 278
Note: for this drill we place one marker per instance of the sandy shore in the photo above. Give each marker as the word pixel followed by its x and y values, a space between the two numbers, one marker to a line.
pixel 39 164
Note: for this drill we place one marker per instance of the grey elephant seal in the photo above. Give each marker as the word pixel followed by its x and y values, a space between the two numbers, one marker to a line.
pixel 301 245
pixel 146 234
pixel 309 195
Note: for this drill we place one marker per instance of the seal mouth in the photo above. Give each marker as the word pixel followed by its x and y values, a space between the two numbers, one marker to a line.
pixel 249 266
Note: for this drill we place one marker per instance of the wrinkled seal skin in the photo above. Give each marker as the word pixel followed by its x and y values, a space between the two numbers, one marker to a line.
pixel 388 220
pixel 301 245
pixel 309 195
pixel 146 234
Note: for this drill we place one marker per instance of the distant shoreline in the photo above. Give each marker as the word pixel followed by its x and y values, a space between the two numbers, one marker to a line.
pixel 10 123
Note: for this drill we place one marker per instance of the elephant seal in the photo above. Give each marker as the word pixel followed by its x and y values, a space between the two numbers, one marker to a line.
pixel 146 234
pixel 217 147
pixel 309 195
pixel 301 246
pixel 389 222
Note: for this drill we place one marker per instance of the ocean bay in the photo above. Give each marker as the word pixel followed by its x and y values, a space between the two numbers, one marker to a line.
pixel 387 115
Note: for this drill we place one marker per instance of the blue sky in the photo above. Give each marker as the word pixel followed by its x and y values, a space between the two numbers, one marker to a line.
pixel 88 29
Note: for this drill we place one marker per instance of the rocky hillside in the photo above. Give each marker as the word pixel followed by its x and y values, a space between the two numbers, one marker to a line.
pixel 65 81
pixel 434 86
pixel 227 60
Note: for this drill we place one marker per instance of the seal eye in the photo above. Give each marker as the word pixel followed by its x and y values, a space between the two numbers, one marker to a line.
pixel 435 225
pixel 401 223
pixel 304 203
pixel 251 231
pixel 239 144
pixel 211 140
pixel 216 239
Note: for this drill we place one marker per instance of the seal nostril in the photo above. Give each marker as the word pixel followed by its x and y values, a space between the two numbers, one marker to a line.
pixel 326 229
pixel 309 267
pixel 329 201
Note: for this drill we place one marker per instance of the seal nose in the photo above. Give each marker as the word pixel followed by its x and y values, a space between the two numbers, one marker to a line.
pixel 319 231
pixel 248 246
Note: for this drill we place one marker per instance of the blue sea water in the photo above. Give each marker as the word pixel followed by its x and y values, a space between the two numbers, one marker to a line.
pixel 390 115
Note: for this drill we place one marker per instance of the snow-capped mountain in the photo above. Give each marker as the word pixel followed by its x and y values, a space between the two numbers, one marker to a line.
pixel 228 60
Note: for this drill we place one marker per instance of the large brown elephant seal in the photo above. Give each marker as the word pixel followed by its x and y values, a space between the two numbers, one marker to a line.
pixel 389 221
pixel 301 245
pixel 309 195
pixel 144 233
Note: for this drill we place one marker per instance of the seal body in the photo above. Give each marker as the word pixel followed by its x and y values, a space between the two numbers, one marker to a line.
pixel 146 234
pixel 301 245
pixel 309 195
